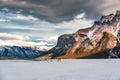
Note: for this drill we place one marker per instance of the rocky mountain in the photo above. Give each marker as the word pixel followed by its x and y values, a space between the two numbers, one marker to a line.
pixel 22 49
pixel 12 52
pixel 99 41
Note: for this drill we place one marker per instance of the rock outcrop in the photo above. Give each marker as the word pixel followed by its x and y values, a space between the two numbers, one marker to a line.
pixel 64 43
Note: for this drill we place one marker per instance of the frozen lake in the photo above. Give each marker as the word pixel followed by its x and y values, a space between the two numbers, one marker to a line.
pixel 80 69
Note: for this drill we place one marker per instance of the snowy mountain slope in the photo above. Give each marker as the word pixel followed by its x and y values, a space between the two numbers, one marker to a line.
pixel 19 52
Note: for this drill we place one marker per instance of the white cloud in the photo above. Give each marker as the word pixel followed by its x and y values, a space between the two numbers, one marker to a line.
pixel 5 9
pixel 6 36
pixel 7 14
pixel 18 40
pixel 22 17
pixel 52 39
pixel 4 20
pixel 37 45
pixel 79 16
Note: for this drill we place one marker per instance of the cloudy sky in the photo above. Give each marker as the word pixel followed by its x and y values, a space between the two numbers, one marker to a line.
pixel 30 20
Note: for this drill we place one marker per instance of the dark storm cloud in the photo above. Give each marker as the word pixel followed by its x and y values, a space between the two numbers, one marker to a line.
pixel 58 10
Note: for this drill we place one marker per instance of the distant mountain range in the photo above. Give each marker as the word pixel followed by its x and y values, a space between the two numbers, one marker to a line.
pixel 16 49
pixel 98 41
pixel 19 52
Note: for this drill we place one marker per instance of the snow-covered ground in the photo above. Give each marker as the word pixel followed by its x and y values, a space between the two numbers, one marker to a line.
pixel 81 69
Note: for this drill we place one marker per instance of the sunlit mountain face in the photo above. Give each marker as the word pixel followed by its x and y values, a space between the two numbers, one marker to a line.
pixel 40 22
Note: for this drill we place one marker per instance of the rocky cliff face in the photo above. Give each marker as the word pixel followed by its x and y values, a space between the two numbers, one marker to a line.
pixel 103 36
pixel 64 43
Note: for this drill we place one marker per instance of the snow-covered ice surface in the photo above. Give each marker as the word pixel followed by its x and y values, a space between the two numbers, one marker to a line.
pixel 73 69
